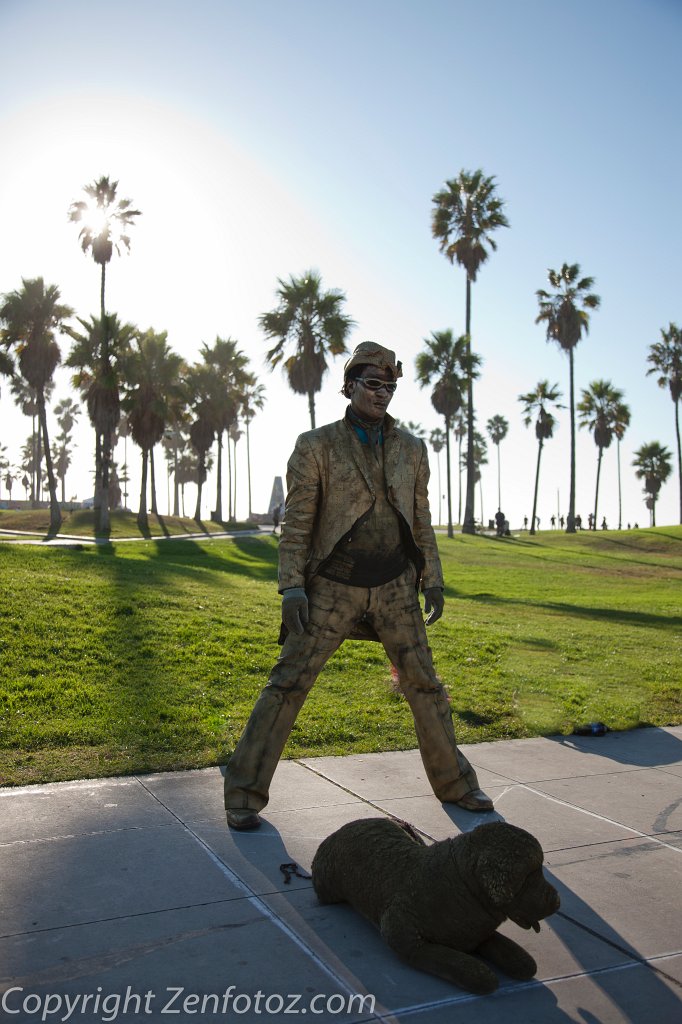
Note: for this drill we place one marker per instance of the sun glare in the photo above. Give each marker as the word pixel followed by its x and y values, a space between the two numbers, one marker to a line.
pixel 96 221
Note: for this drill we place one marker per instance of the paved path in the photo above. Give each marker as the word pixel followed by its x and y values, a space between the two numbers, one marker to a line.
pixel 133 889
pixel 76 540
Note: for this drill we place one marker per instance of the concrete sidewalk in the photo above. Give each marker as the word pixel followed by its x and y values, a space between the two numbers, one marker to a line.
pixel 132 893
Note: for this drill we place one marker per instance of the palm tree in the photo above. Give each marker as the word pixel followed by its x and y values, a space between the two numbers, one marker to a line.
pixel 459 429
pixel 234 434
pixel 599 408
pixel 412 428
pixel 175 441
pixel 497 427
pixel 6 365
pixel 153 376
pixel 621 422
pixel 480 459
pixel 252 397
pixel 228 364
pixel 465 214
pixel 538 401
pixel 32 316
pixel 449 363
pixel 67 412
pixel 204 396
pixel 437 442
pixel 652 464
pixel 665 357
pixel 105 222
pixel 565 312
pixel 99 382
pixel 309 326
pixel 25 397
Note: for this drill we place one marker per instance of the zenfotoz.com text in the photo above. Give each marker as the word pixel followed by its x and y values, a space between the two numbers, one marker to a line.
pixel 174 1000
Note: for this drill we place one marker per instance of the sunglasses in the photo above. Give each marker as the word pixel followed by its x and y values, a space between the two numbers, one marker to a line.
pixel 374 384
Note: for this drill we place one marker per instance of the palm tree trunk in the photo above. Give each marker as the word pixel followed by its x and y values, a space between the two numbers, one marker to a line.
pixel 229 482
pixel 200 481
pixel 459 476
pixel 499 480
pixel 104 520
pixel 596 492
pixel 451 532
pixel 469 525
pixel 679 452
pixel 155 509
pixel 234 463
pixel 535 492
pixel 311 408
pixel 142 512
pixel 55 511
pixel 570 519
pixel 440 489
pixel 620 493
pixel 218 514
pixel 176 486
pixel 248 465
pixel 98 471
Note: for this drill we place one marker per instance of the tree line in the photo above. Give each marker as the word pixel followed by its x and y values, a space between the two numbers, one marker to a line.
pixel 132 382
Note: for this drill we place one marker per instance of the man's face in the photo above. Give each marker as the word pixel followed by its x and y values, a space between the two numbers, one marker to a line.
pixel 365 403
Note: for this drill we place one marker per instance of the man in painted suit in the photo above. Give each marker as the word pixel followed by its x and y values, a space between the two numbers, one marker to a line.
pixel 356 548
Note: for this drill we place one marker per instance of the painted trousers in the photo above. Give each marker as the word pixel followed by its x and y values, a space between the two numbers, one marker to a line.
pixel 334 610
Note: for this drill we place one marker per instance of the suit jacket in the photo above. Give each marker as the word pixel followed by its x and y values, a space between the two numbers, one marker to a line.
pixel 329 490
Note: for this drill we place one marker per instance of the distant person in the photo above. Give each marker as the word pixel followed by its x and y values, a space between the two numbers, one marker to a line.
pixel 499 523
pixel 603 524
pixel 356 547
pixel 562 522
pixel 276 517
pixel 578 522
pixel 537 522
pixel 590 522
pixel 553 522
pixel 525 522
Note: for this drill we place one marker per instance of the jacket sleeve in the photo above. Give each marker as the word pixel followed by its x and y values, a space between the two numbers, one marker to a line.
pixel 432 576
pixel 300 512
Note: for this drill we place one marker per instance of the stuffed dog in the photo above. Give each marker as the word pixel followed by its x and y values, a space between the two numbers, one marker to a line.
pixel 436 905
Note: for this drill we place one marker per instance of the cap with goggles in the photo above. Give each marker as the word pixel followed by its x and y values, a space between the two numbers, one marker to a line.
pixel 369 353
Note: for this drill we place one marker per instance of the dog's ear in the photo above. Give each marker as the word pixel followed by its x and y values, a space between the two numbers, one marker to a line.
pixel 506 855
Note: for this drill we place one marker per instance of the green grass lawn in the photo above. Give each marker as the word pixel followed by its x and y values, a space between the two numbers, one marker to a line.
pixel 149 655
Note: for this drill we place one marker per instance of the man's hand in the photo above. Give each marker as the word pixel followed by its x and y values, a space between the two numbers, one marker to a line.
pixel 295 609
pixel 433 604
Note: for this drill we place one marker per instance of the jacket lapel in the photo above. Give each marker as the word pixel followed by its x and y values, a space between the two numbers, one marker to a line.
pixel 354 449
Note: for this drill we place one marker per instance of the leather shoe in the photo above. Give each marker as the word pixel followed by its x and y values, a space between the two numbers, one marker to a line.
pixel 476 800
pixel 242 819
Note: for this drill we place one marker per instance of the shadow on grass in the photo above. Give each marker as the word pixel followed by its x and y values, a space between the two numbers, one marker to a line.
pixel 156 725
pixel 582 611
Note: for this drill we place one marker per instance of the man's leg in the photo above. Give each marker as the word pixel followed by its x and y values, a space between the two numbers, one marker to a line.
pixel 333 610
pixel 397 617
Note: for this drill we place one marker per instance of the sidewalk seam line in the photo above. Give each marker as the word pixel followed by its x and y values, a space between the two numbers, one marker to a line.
pixel 602 817
pixel 258 902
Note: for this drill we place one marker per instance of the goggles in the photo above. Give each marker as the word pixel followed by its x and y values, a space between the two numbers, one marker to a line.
pixel 374 384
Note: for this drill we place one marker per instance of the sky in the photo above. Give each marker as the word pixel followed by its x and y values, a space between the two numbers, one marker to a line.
pixel 261 140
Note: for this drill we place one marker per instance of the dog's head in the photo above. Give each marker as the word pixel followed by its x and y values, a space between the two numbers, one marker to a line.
pixel 507 863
